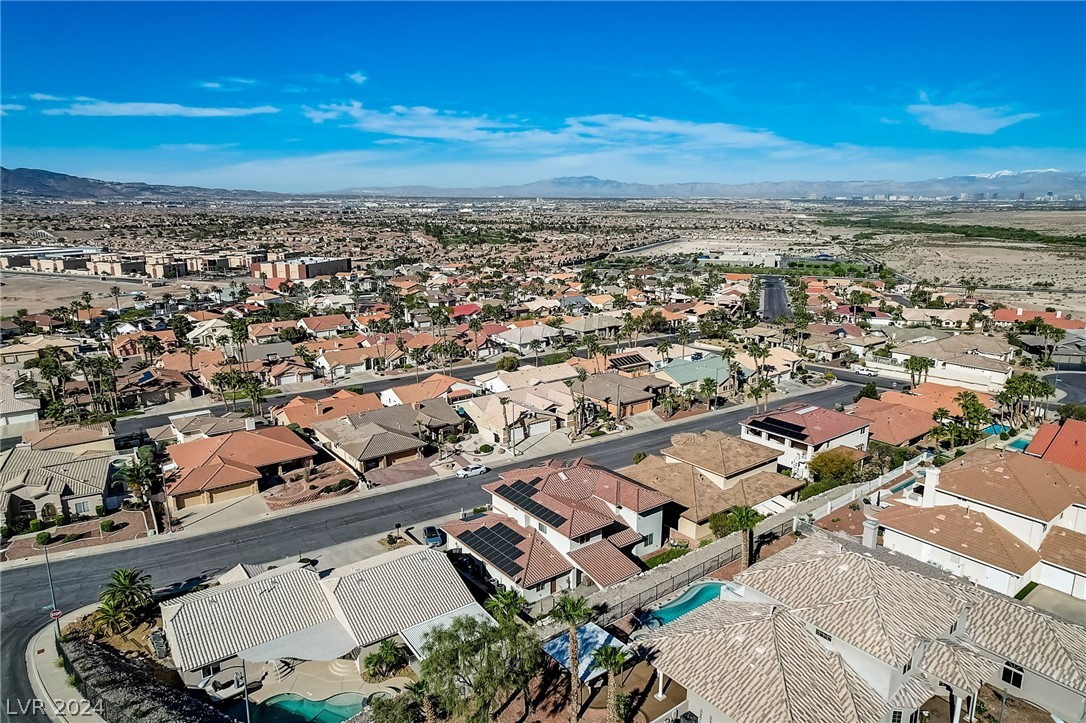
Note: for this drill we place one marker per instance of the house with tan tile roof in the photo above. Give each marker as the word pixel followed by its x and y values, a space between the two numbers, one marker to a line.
pixel 325 326
pixel 232 465
pixel 894 424
pixel 436 386
pixel 828 630
pixel 713 472
pixel 999 518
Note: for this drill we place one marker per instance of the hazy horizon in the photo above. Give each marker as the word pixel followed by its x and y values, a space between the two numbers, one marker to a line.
pixel 323 97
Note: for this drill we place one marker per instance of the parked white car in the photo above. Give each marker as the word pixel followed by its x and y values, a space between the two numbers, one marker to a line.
pixel 865 371
pixel 471 471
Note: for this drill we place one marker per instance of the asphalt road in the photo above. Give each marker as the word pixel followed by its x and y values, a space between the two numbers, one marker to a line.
pixel 774 298
pixel 24 590
pixel 1072 383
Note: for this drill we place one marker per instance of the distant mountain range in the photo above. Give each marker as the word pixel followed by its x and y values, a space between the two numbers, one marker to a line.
pixel 32 183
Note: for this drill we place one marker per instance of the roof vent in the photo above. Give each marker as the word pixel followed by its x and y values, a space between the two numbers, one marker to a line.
pixel 806 410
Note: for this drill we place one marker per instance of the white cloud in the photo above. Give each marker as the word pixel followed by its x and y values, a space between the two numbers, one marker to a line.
pixel 357 77
pixel 106 108
pixel 211 84
pixel 7 107
pixel 45 97
pixel 415 122
pixel 965 118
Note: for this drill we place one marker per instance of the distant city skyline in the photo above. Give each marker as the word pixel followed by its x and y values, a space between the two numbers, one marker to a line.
pixel 318 97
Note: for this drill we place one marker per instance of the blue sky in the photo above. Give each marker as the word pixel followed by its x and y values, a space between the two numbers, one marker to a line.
pixel 312 97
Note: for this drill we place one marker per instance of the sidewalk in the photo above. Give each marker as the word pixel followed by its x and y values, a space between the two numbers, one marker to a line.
pixel 245 511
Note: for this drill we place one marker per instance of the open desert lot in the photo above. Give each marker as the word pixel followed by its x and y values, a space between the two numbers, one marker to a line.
pixel 38 292
pixel 1058 223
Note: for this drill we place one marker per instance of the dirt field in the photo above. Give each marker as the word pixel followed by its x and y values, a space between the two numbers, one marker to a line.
pixel 38 292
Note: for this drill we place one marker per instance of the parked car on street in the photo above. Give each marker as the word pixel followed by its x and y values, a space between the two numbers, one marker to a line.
pixel 471 471
pixel 865 371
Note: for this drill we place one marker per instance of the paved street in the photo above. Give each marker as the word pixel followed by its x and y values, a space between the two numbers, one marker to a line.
pixel 23 590
pixel 774 298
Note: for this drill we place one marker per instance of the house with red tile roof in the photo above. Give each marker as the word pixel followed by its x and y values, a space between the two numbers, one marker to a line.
pixel 1063 444
pixel 127 345
pixel 596 522
pixel 999 518
pixel 894 424
pixel 1058 319
pixel 801 431
pixel 436 386
pixel 230 466
pixel 325 326
pixel 305 411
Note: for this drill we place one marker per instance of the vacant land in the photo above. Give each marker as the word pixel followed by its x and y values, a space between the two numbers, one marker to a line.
pixel 38 292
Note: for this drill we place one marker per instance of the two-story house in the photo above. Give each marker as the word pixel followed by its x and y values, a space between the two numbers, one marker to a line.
pixel 596 521
pixel 800 431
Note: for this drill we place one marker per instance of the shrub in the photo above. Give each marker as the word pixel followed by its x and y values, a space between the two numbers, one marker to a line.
pixel 855 507
pixel 486 449
pixel 100 510
pixel 639 457
pixel 312 487
pixel 327 489
pixel 107 525
pixel 35 525
pixel 479 509
pixel 5 531
pixel 60 519
pixel 72 537
pixel 507 364
pixel 835 519
pixel 1004 436
pixel 43 538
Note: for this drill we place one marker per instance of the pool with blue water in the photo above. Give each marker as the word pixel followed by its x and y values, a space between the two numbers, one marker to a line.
pixel 692 599
pixel 1019 444
pixel 293 708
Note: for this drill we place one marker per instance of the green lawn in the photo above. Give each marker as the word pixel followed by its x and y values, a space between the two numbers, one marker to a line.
pixel 673 553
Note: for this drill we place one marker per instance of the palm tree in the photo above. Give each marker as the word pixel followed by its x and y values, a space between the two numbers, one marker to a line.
pixel 419 693
pixel 111 618
pixel 384 661
pixel 612 659
pixel 746 519
pixel 574 611
pixel 128 589
pixel 536 345
pixel 505 606
pixel 684 338
pixel 115 292
pixel 151 345
pixel 504 401
pixel 475 325
pixel 663 347
pixel 707 389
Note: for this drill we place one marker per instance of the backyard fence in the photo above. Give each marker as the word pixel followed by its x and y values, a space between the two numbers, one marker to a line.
pixel 642 591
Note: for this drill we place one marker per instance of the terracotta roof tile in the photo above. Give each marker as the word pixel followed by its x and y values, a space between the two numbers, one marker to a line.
pixel 1065 548
pixel 604 563
pixel 1063 444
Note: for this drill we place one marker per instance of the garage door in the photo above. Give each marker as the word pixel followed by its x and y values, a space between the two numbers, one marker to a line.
pixel 539 428
pixel 180 502
pixel 1057 579
pixel 230 494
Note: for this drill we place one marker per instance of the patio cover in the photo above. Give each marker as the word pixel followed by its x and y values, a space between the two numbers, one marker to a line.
pixel 328 640
pixel 590 638
pixel 415 635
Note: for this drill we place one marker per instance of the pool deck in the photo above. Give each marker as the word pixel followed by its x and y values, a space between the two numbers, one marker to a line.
pixel 317 680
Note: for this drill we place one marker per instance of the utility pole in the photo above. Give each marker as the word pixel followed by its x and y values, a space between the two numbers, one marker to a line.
pixel 52 593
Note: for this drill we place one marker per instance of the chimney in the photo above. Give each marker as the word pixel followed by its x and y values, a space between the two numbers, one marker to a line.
pixel 250 424
pixel 931 482
pixel 1020 312
pixel 871 534
pixel 1059 314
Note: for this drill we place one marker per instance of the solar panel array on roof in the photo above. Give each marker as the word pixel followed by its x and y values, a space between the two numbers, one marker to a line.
pixel 497 545
pixel 628 360
pixel 779 427
pixel 520 493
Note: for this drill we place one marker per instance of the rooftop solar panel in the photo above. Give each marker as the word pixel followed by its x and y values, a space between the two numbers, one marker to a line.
pixel 490 544
pixel 521 493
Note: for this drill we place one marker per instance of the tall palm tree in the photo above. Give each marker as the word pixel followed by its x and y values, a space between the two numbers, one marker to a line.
pixel 708 390
pixel 684 338
pixel 574 611
pixel 475 325
pixel 664 347
pixel 419 693
pixel 746 518
pixel 536 345
pixel 612 659
pixel 115 292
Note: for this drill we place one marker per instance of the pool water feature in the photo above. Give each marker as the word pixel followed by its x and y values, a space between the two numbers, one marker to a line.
pixel 293 708
pixel 1020 444
pixel 696 596
pixel 996 429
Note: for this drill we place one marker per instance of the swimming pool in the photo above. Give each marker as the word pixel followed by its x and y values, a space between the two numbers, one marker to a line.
pixel 293 708
pixel 696 596
pixel 1019 444
pixel 996 429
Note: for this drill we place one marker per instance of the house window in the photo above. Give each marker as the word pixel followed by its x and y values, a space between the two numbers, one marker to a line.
pixel 648 539
pixel 82 508
pixel 824 635
pixel 542 527
pixel 208 670
pixel 907 667
pixel 895 717
pixel 1012 674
